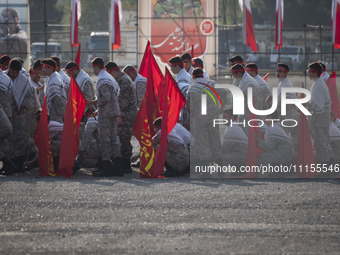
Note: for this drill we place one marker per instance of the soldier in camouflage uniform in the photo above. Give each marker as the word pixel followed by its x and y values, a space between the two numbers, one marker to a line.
pixel 55 94
pixel 63 76
pixel 206 142
pixel 21 101
pixel 89 153
pixel 139 81
pixel 5 124
pixel 36 73
pixel 128 108
pixel 109 117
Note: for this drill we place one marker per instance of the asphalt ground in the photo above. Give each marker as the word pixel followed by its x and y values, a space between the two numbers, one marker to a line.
pixel 130 215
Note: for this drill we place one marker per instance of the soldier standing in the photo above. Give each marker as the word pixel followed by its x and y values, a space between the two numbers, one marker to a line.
pixel 128 108
pixel 109 117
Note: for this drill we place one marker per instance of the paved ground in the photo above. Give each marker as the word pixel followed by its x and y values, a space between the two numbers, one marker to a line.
pixel 129 215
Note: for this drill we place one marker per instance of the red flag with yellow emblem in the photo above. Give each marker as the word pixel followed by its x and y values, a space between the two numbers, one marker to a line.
pixel 74 111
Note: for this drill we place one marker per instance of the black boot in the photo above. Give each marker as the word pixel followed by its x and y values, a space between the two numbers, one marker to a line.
pixel 56 163
pixel 119 167
pixel 106 169
pixel 19 162
pixel 8 166
pixel 76 166
pixel 127 166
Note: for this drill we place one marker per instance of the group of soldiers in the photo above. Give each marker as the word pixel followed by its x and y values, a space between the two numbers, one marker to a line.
pixel 106 128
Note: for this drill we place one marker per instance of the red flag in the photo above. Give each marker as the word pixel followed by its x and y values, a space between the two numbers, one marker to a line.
pixel 75 16
pixel 77 59
pixel 151 108
pixel 305 154
pixel 336 23
pixel 279 24
pixel 74 111
pixel 144 65
pixel 333 92
pixel 173 102
pixel 115 19
pixel 248 28
pixel 192 51
pixel 266 77
pixel 42 140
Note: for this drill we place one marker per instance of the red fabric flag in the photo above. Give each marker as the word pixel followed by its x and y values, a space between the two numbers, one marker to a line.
pixel 74 111
pixel 173 102
pixel 305 154
pixel 77 59
pixel 144 65
pixel 150 109
pixel 248 28
pixel 42 140
pixel 266 77
pixel 115 19
pixel 336 23
pixel 279 24
pixel 333 92
pixel 75 16
pixel 192 51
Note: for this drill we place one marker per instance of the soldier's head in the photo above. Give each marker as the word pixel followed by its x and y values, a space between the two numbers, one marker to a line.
pixel 49 66
pixel 72 69
pixel 4 61
pixel 131 71
pixel 176 64
pixel 35 76
pixel 237 70
pixel 37 67
pixel 187 60
pixel 236 59
pixel 197 62
pixel 97 65
pixel 57 60
pixel 197 73
pixel 282 71
pixel 252 69
pixel 113 69
pixel 14 69
pixel 324 68
pixel 314 70
pixel 157 124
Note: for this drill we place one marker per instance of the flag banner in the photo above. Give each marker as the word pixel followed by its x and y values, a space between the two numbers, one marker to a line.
pixel 77 59
pixel 150 109
pixel 42 140
pixel 279 24
pixel 173 102
pixel 75 16
pixel 115 19
pixel 248 28
pixel 333 92
pixel 305 154
pixel 74 111
pixel 336 23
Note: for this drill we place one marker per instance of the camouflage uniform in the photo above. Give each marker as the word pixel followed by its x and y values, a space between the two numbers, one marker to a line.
pixel 5 115
pixel 55 131
pixel 21 101
pixel 55 97
pixel 31 122
pixel 108 109
pixel 246 82
pixel 40 94
pixel 66 81
pixel 89 152
pixel 206 142
pixel 140 83
pixel 177 154
pixel 128 108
